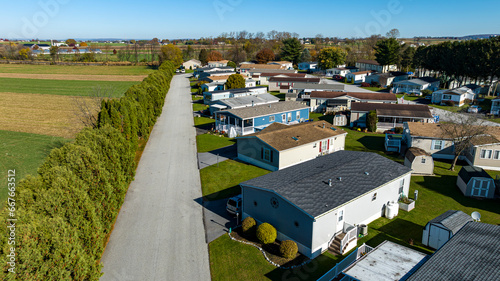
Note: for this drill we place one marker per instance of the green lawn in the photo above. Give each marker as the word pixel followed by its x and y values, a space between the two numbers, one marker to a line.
pixel 375 89
pixel 75 69
pixel 61 87
pixel 208 142
pixel 25 153
pixel 407 97
pixel 199 106
pixel 223 181
pixel 451 108
pixel 203 122
pixel 278 94
pixel 231 260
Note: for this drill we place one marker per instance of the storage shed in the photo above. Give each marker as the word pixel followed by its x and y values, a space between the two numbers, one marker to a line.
pixel 419 161
pixel 440 229
pixel 475 182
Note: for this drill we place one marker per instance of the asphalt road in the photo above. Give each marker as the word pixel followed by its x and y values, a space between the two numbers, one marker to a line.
pixel 159 233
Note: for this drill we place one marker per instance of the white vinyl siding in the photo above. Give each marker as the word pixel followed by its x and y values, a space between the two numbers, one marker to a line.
pixel 486 153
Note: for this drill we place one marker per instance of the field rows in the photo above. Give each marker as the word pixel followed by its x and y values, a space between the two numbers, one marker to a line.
pixel 75 69
pixel 90 77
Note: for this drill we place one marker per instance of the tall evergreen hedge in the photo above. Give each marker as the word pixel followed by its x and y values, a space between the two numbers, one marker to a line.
pixel 65 212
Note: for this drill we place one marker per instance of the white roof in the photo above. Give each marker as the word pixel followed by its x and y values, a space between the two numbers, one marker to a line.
pixel 388 262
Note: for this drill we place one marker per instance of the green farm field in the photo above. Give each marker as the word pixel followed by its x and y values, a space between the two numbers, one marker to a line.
pixel 61 87
pixel 75 69
pixel 24 153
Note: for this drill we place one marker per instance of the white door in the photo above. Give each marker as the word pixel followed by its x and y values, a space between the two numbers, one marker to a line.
pixel 340 220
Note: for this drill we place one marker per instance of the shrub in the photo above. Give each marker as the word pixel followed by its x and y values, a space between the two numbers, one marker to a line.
pixel 266 233
pixel 248 225
pixel 398 130
pixel 449 103
pixel 371 121
pixel 426 92
pixel 364 84
pixel 288 249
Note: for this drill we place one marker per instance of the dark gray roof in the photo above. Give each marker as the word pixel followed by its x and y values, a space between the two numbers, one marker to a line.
pixel 266 109
pixel 471 254
pixel 306 184
pixel 468 172
pixel 238 90
pixel 309 86
pixel 452 220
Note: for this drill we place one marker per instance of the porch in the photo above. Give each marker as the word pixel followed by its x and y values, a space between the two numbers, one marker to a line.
pixel 345 240
pixel 393 142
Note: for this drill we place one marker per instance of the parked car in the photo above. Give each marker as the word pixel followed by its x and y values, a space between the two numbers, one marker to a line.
pixel 337 77
pixel 474 109
pixel 233 205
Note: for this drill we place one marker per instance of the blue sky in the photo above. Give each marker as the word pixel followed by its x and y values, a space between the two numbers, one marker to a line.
pixel 62 19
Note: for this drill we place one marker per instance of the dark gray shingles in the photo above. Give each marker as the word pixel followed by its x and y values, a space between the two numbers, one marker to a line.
pixel 452 220
pixel 471 254
pixel 306 184
pixel 266 109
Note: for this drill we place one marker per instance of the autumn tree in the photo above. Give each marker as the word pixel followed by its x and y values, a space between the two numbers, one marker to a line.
pixel 393 33
pixel 54 53
pixel 265 55
pixel 171 53
pixel 331 57
pixel 71 42
pixel 215 56
pixel 235 81
pixel 83 44
pixel 291 50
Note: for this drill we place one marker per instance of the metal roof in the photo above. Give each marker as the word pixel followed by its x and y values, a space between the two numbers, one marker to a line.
pixel 248 100
pixel 266 109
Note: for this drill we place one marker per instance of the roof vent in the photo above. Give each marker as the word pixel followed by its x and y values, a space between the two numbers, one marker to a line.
pixel 330 182
pixel 323 125
pixel 333 128
pixel 339 178
pixel 366 173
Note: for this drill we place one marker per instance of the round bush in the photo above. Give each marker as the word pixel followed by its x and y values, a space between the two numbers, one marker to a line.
pixel 266 233
pixel 248 224
pixel 288 249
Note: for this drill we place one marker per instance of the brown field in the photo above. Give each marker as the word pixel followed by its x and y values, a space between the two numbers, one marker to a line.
pixel 40 114
pixel 74 77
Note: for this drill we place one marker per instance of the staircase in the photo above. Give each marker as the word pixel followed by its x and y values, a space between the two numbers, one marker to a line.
pixel 334 247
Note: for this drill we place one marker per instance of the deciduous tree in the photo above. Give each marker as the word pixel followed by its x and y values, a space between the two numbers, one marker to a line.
pixel 171 53
pixel 215 56
pixel 265 55
pixel 331 57
pixel 235 81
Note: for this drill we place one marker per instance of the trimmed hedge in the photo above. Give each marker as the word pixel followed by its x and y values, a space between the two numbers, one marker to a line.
pixel 248 225
pixel 266 233
pixel 288 249
pixel 66 212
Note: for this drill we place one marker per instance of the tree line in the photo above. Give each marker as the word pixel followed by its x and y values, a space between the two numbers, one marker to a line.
pixel 65 212
pixel 477 60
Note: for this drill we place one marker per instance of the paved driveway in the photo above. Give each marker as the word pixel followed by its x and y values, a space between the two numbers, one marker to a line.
pixel 206 159
pixel 159 233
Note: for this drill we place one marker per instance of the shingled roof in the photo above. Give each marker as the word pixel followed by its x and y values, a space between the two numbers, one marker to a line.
pixel 389 109
pixel 294 79
pixel 353 173
pixel 358 95
pixel 471 254
pixel 413 152
pixel 282 137
pixel 266 109
pixel 452 220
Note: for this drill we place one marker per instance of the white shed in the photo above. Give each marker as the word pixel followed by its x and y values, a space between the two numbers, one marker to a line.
pixel 419 161
pixel 440 229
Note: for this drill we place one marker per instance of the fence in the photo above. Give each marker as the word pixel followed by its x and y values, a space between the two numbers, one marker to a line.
pixel 350 259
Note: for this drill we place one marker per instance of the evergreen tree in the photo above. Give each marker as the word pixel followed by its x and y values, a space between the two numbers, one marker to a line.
pixel 387 51
pixel 291 50
pixel 305 56
pixel 203 56
pixel 235 81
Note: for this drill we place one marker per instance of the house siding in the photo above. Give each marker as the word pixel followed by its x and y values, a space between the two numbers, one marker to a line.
pixel 426 144
pixel 250 150
pixel 419 167
pixel 361 210
pixel 463 186
pixel 488 164
pixel 310 151
pixel 283 217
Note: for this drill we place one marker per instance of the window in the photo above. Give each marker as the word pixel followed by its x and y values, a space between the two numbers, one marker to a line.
pixel 485 154
pixel 289 117
pixel 267 154
pixel 297 116
pixel 496 154
pixel 341 215
pixel 283 118
pixel 437 144
pixel 447 97
pixel 296 223
pixel 271 118
pixel 401 186
pixel 374 197
pixel 423 161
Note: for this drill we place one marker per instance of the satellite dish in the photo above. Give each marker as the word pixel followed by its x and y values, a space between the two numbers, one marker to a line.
pixel 476 216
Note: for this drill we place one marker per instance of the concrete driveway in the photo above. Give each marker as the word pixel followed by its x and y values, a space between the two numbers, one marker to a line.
pixel 217 219
pixel 159 232
pixel 213 157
